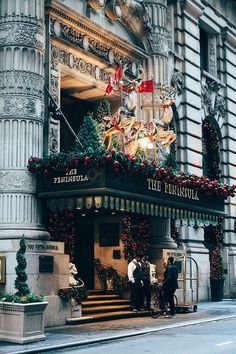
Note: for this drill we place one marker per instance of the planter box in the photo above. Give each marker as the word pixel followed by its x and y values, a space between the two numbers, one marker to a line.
pixel 76 311
pixel 22 323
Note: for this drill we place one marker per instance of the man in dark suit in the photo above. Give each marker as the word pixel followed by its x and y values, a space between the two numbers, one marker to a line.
pixel 135 276
pixel 170 284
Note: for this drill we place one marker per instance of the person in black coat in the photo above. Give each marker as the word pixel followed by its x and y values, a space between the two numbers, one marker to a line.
pixel 146 289
pixel 135 275
pixel 170 284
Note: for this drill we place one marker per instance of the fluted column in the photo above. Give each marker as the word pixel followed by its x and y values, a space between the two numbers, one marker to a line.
pixel 157 63
pixel 22 46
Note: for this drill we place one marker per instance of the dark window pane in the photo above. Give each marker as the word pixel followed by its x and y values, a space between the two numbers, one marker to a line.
pixel 203 50
pixel 109 235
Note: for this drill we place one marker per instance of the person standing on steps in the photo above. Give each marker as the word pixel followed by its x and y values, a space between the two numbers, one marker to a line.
pixel 135 276
pixel 170 284
pixel 146 290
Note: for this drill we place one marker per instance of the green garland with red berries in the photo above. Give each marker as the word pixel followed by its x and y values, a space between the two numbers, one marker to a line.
pixel 61 224
pixel 89 151
pixel 123 163
pixel 211 156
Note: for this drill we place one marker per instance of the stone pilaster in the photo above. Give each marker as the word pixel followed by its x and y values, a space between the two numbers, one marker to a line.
pixel 160 239
pixel 22 43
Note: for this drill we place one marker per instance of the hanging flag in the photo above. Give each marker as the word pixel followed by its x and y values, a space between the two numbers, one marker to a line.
pixel 119 72
pixel 146 86
pixel 109 88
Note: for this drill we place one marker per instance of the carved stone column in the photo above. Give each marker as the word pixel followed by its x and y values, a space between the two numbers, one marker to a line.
pixel 160 240
pixel 22 43
pixel 157 63
pixel 157 66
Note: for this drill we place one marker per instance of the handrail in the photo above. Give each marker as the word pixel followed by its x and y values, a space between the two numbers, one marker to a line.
pixel 118 270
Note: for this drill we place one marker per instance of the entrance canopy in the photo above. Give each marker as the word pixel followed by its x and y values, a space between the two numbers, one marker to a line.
pixel 99 187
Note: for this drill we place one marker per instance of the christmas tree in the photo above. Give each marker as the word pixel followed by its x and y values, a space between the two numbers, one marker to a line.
pixel 89 135
pixel 103 110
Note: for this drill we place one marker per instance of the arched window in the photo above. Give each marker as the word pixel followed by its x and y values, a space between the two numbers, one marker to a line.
pixel 211 150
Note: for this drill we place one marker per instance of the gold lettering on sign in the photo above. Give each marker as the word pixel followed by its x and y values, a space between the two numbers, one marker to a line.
pixel 154 185
pixel 169 188
pixel 70 179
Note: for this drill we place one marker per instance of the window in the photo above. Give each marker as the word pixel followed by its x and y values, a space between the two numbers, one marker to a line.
pixel 203 50
pixel 208 52
pixel 109 235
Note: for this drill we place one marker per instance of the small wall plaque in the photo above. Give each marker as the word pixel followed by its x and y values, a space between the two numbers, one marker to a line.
pixel 116 254
pixel 46 264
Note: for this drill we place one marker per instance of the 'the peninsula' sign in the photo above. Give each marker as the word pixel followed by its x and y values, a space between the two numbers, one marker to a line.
pixel 92 181
pixel 169 188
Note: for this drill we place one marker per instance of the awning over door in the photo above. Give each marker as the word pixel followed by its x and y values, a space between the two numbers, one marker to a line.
pixel 96 188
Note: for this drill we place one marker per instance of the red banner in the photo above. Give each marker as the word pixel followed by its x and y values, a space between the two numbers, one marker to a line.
pixel 146 86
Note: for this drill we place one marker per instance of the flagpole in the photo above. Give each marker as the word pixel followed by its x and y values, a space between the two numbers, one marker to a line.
pixel 66 121
pixel 153 110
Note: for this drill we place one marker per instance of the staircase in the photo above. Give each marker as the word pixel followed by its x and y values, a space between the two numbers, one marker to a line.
pixel 103 306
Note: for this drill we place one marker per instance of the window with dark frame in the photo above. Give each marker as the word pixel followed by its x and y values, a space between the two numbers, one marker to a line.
pixel 203 50
pixel 109 234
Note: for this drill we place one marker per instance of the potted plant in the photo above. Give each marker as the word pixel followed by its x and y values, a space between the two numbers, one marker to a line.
pixel 216 274
pixel 22 313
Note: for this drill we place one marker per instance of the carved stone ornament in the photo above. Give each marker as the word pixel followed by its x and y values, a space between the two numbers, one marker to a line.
pixel 96 4
pixel 22 34
pixel 212 101
pixel 159 42
pixel 53 139
pixel 21 82
pixel 16 106
pixel 113 10
pixel 139 9
pixel 17 180
pixel 74 62
pixel 177 81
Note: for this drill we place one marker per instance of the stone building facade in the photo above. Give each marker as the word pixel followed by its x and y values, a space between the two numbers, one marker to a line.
pixel 72 47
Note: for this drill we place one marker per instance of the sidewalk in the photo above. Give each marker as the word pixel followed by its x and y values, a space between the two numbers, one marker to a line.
pixel 68 336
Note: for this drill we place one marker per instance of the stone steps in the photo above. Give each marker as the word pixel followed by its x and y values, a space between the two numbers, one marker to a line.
pixel 108 316
pixel 104 306
pixel 109 302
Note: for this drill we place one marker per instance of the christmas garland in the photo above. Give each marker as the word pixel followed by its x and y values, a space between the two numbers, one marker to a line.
pixel 135 236
pixel 77 294
pixel 62 228
pixel 119 282
pixel 123 163
pixel 211 158
pixel 214 240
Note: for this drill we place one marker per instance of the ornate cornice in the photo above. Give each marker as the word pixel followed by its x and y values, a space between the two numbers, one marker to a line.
pixel 60 56
pixel 86 27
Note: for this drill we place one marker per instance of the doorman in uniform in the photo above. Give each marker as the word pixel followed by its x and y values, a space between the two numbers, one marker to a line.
pixel 135 276
pixel 146 281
